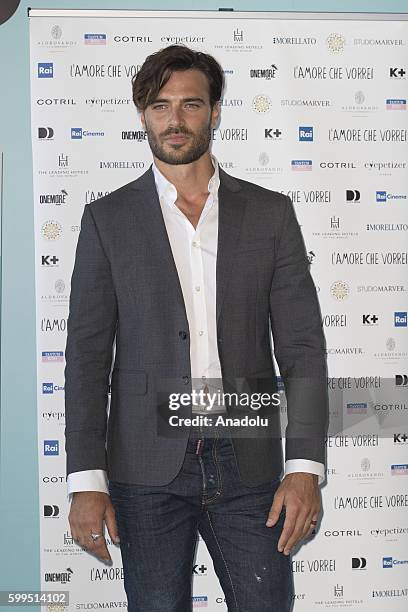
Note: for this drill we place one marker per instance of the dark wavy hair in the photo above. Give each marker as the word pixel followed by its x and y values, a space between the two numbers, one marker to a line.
pixel 159 66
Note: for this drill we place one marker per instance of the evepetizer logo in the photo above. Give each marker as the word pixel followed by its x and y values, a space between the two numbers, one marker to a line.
pixel 261 103
pixel 336 43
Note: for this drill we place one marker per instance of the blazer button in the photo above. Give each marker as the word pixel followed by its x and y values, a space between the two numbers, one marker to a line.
pixel 186 380
pixel 182 335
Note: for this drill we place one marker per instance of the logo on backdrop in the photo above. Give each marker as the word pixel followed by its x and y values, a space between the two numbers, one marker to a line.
pixel 306 134
pixel 335 43
pixel 397 73
pixel 51 230
pixel 53 198
pixel 46 133
pixel 51 511
pixel 45 70
pixel 400 319
pixel 261 103
pixel 95 39
pixel 51 447
pixel 264 73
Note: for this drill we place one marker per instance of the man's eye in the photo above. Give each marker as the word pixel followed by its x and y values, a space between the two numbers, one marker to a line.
pixel 159 106
pixel 192 105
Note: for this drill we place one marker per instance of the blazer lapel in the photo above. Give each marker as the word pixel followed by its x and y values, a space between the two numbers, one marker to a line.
pixel 156 230
pixel 231 207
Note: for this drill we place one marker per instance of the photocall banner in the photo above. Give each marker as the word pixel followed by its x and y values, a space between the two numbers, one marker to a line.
pixel 315 107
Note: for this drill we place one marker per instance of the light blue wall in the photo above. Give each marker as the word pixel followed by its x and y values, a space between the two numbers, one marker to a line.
pixel 19 516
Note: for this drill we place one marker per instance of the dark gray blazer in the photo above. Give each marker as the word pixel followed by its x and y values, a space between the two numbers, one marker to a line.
pixel 125 283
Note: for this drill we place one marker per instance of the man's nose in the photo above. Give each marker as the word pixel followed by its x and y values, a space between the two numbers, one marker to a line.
pixel 176 116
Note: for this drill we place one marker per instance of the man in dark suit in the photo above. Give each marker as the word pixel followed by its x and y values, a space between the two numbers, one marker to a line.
pixel 188 271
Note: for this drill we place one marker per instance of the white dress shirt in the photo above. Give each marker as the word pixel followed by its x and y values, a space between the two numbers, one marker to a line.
pixel 195 255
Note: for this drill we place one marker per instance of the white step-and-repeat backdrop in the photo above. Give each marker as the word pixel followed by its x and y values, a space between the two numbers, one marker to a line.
pixel 315 107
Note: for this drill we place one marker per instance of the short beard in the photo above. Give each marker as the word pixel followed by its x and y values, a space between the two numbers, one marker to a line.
pixel 199 145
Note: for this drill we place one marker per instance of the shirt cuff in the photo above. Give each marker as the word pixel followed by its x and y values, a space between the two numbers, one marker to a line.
pixel 87 480
pixel 305 465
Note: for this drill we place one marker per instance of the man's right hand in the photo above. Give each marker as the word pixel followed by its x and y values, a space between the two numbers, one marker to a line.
pixel 89 511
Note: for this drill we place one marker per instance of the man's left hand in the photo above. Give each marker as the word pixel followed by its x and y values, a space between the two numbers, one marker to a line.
pixel 300 494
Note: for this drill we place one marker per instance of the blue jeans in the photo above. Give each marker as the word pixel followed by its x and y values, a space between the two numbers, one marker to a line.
pixel 158 533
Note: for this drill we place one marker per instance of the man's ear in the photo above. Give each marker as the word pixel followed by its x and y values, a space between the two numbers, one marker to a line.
pixel 142 118
pixel 215 114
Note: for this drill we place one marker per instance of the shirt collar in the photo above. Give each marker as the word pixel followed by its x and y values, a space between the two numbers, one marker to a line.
pixel 167 191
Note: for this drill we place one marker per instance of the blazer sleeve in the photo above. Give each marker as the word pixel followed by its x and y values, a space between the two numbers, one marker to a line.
pixel 299 343
pixel 91 329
